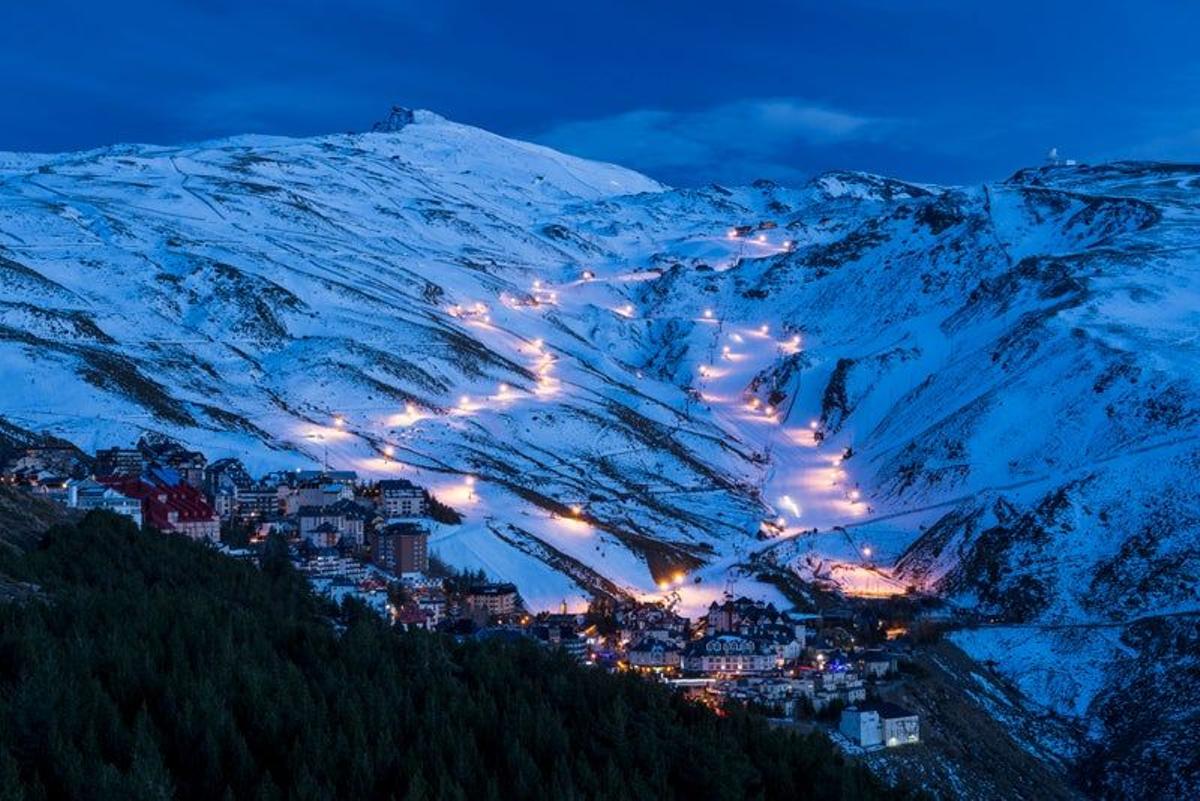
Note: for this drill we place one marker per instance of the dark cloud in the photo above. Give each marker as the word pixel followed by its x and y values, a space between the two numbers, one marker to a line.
pixel 689 91
pixel 732 143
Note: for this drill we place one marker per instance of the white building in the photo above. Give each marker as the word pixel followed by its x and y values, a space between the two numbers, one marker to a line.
pixel 728 653
pixel 652 654
pixel 878 723
pixel 343 521
pixel 88 494
pixel 225 503
pixel 332 563
pixel 878 663
pixel 433 604
pixel 400 498
pixel 317 494
pixel 316 488
pixel 827 686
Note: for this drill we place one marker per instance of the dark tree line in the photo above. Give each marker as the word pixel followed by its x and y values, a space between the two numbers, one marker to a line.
pixel 149 667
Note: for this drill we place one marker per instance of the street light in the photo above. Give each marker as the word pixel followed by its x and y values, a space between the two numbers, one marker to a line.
pixel 321 438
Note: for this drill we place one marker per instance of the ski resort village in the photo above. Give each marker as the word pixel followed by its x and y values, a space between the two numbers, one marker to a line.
pixel 370 540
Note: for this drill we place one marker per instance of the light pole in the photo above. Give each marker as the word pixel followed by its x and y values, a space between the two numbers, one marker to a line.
pixel 325 444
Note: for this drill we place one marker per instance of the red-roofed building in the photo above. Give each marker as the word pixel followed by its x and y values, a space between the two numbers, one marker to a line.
pixel 178 508
pixel 410 618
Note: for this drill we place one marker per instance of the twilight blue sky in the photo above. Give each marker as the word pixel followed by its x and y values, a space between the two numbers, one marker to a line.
pixel 689 92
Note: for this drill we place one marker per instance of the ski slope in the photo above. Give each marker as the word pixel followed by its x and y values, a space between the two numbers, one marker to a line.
pixel 619 387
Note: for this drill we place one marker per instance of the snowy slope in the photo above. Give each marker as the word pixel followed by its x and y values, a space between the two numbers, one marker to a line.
pixel 407 302
pixel 1014 369
pixel 989 393
pixel 414 301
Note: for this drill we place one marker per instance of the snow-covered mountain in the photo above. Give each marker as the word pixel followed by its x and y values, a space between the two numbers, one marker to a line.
pixel 990 393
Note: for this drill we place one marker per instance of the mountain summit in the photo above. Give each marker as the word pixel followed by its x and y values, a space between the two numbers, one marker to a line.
pixel 396 120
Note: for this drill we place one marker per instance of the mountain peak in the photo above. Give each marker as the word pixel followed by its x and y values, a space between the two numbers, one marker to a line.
pixel 400 117
pixel 397 119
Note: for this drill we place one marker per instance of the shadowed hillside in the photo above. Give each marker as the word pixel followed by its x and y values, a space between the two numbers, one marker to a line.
pixel 158 669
